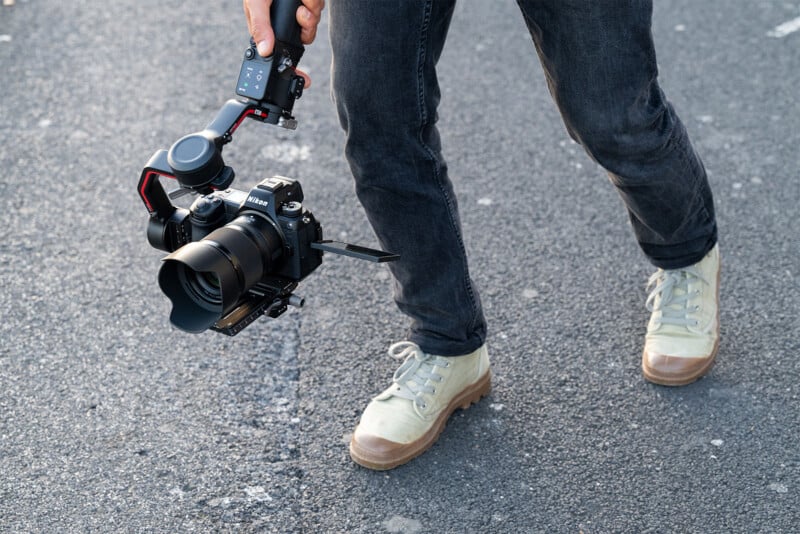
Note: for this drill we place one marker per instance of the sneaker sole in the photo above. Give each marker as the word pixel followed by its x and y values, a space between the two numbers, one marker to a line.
pixel 409 451
pixel 661 380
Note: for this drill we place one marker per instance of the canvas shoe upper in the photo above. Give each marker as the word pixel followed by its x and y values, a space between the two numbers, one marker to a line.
pixel 683 333
pixel 407 418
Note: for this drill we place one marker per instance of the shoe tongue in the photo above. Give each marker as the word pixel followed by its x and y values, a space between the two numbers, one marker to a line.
pixel 416 380
pixel 674 298
pixel 678 289
pixel 409 379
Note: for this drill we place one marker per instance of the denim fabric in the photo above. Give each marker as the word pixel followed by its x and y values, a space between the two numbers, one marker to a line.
pixel 600 66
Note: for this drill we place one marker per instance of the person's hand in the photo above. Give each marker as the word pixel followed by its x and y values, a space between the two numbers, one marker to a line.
pixel 257 14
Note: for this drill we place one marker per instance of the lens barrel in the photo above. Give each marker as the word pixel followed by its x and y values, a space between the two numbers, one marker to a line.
pixel 205 279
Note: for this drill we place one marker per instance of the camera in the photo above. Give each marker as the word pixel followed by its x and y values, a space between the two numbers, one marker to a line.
pixel 237 255
pixel 247 252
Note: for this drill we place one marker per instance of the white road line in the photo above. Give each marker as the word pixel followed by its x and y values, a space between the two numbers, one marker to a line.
pixel 782 30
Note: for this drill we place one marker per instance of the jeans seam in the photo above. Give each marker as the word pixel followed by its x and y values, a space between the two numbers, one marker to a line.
pixel 421 58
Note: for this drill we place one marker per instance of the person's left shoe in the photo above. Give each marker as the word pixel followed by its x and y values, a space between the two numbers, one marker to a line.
pixel 683 332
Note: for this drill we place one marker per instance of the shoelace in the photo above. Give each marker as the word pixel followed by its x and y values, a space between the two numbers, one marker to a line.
pixel 412 376
pixel 671 296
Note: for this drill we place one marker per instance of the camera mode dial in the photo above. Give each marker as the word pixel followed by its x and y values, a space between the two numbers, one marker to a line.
pixel 208 210
pixel 292 209
pixel 206 214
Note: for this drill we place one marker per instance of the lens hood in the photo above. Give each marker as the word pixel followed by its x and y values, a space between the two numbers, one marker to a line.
pixel 197 304
pixel 206 279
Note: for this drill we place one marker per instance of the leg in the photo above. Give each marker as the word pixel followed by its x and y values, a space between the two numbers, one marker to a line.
pixel 386 92
pixel 600 65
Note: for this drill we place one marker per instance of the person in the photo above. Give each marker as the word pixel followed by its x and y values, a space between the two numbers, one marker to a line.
pixel 600 65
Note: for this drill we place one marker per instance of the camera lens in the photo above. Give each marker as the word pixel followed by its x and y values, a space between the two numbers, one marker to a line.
pixel 203 286
pixel 205 279
pixel 210 282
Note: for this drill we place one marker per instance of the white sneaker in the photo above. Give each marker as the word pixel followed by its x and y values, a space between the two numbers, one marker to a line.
pixel 683 332
pixel 406 419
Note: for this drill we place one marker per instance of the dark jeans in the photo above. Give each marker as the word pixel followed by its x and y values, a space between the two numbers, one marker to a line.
pixel 600 65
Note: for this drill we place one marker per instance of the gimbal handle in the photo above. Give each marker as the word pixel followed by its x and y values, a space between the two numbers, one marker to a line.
pixel 283 17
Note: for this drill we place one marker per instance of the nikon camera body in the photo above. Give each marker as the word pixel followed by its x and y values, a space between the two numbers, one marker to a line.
pixel 245 252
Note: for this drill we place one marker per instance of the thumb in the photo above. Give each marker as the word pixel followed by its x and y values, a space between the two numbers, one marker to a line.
pixel 258 20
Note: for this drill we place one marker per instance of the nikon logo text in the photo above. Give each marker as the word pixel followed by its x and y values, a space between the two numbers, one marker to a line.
pixel 256 200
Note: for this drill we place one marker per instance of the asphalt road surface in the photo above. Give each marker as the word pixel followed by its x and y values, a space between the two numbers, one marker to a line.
pixel 113 421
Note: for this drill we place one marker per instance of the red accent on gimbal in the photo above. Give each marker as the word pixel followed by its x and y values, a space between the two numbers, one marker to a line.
pixel 251 111
pixel 144 186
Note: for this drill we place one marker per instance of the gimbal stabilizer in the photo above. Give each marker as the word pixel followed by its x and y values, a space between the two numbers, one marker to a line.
pixel 236 255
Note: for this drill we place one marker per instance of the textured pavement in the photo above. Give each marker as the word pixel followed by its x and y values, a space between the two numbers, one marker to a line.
pixel 112 421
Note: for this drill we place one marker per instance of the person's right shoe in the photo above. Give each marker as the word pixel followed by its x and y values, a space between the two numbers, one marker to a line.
pixel 683 332
pixel 406 419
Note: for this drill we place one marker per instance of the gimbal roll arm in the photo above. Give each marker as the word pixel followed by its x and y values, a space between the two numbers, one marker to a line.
pixel 195 160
